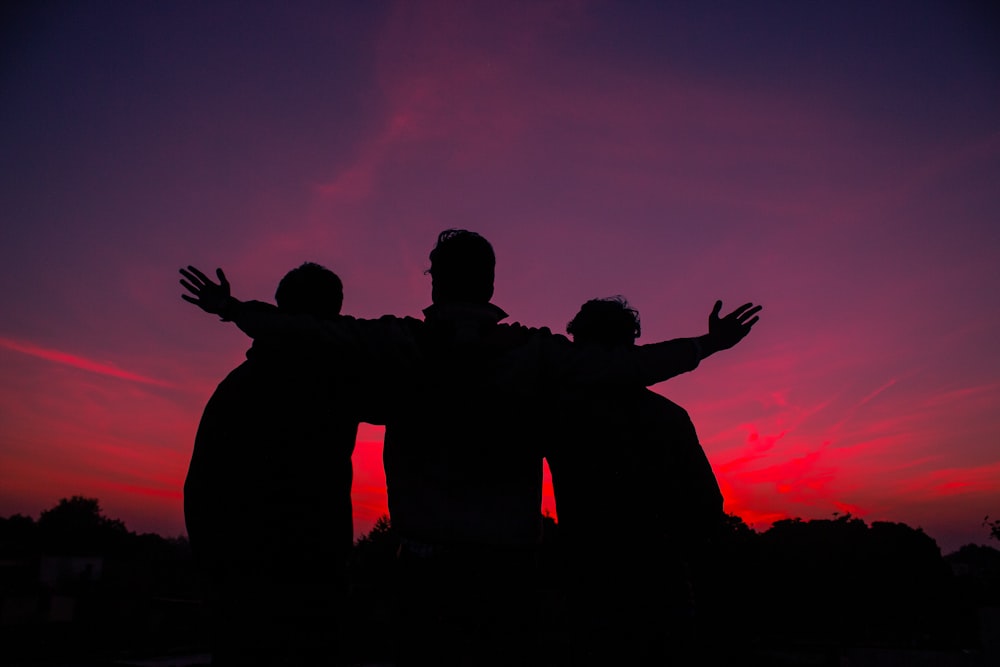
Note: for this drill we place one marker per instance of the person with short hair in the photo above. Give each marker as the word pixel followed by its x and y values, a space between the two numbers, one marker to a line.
pixel 267 498
pixel 636 497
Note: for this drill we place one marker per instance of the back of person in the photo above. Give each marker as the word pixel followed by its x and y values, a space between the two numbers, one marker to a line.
pixel 628 462
pixel 464 477
pixel 267 503
pixel 635 495
pixel 461 465
pixel 273 441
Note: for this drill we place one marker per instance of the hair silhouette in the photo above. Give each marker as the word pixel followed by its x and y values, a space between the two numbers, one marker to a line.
pixel 462 268
pixel 310 289
pixel 609 321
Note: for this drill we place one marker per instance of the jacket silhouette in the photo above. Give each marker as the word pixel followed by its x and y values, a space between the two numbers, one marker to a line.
pixel 267 498
pixel 636 499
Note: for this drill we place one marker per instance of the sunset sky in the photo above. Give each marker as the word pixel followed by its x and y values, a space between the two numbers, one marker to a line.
pixel 837 162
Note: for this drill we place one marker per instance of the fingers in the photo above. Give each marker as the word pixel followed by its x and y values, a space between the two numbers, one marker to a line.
pixel 191 299
pixel 194 280
pixel 198 281
pixel 716 309
pixel 190 288
pixel 745 312
pixel 201 276
pixel 750 313
pixel 738 311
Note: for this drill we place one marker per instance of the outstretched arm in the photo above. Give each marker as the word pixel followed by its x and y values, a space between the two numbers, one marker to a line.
pixel 589 364
pixel 661 361
pixel 385 343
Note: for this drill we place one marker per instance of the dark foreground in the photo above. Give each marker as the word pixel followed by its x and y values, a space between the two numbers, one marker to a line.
pixel 824 593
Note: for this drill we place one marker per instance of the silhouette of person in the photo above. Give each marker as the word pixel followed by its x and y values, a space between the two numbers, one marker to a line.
pixel 461 395
pixel 267 499
pixel 464 477
pixel 636 497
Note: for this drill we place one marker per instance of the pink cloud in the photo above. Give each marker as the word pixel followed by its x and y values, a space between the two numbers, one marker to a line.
pixel 953 481
pixel 756 448
pixel 82 363
pixel 978 395
pixel 357 182
pixel 870 397
pixel 779 475
pixel 448 83
pixel 850 508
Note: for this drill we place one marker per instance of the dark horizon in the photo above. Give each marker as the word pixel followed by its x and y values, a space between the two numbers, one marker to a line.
pixel 838 589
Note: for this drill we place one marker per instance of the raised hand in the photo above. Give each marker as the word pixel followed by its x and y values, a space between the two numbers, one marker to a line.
pixel 731 329
pixel 209 296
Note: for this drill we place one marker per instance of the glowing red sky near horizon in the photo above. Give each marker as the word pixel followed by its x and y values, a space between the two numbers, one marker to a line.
pixel 837 163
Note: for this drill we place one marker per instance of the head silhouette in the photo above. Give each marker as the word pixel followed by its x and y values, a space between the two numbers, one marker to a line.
pixel 609 321
pixel 462 268
pixel 310 289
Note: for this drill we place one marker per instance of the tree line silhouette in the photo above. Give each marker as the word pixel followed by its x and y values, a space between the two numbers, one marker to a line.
pixel 76 584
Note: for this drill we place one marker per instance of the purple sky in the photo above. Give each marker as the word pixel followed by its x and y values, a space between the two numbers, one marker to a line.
pixel 837 162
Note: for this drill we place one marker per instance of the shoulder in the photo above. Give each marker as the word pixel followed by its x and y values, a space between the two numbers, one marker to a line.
pixel 515 334
pixel 541 334
pixel 385 323
pixel 663 407
pixel 661 401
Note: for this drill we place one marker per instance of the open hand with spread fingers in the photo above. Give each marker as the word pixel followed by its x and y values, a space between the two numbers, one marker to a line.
pixel 727 331
pixel 209 296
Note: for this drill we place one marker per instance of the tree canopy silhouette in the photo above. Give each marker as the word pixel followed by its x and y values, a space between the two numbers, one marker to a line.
pixel 77 525
pixel 994 527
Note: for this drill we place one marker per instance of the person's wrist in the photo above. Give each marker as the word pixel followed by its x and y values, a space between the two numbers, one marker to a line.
pixel 228 308
pixel 707 345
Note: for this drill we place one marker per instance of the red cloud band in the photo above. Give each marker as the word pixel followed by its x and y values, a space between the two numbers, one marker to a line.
pixel 78 362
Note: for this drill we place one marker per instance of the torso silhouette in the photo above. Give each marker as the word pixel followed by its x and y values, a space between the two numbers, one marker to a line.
pixel 272 458
pixel 461 465
pixel 267 504
pixel 635 497
pixel 627 461
pixel 462 395
pixel 458 392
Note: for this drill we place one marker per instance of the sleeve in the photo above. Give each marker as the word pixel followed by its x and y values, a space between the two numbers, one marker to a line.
pixel 387 341
pixel 631 365
pixel 661 361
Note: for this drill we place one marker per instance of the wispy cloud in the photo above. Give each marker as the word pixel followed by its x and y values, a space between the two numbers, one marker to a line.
pixel 74 361
pixel 952 481
pixel 878 391
pixel 985 394
pixel 757 447
pixel 171 493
